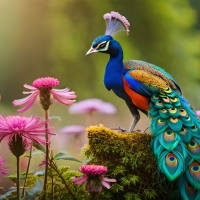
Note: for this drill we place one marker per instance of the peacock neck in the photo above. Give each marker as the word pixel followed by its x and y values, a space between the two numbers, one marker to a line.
pixel 115 64
pixel 114 69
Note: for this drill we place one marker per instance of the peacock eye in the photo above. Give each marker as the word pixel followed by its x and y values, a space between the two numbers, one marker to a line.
pixel 102 45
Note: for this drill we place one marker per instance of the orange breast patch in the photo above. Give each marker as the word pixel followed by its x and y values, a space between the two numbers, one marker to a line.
pixel 138 100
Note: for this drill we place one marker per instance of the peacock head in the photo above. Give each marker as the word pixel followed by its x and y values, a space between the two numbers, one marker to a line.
pixel 105 43
pixel 101 44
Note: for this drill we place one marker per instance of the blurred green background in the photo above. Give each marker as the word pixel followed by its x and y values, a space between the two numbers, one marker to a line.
pixel 50 38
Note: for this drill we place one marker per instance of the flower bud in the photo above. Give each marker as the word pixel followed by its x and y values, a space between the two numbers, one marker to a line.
pixel 18 145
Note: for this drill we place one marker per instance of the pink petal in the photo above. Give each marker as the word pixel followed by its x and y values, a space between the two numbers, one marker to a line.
pixel 37 124
pixel 3 168
pixel 29 87
pixel 25 108
pixel 109 179
pixel 64 94
pixel 25 99
pixel 61 90
pixel 105 184
pixel 29 127
pixel 79 180
pixel 74 129
pixel 30 99
pixel 91 105
pixel 43 162
pixel 198 112
pixel 28 92
pixel 61 99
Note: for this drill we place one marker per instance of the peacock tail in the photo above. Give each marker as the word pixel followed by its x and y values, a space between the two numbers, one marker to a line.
pixel 176 139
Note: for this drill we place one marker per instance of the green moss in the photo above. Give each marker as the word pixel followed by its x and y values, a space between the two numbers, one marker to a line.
pixel 129 159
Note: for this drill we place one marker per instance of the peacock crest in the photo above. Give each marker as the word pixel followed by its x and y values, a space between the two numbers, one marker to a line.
pixel 115 23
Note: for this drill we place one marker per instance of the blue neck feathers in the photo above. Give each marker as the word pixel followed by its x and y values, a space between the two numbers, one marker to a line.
pixel 114 69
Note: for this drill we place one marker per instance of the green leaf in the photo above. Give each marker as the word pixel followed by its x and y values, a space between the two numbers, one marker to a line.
pixel 39 147
pixel 11 194
pixel 13 177
pixel 34 192
pixel 131 196
pixel 134 179
pixel 39 173
pixel 125 181
pixel 36 153
pixel 117 188
pixel 24 156
pixel 86 161
pixel 55 117
pixel 64 156
pixel 150 193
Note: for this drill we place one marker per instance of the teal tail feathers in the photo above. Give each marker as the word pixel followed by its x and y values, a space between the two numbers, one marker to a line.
pixel 176 144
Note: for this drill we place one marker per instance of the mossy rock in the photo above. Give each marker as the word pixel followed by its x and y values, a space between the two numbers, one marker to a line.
pixel 129 159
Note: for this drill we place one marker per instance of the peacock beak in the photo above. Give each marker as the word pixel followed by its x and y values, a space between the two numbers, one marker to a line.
pixel 91 50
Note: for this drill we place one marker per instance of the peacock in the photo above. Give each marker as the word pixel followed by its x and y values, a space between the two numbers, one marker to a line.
pixel 146 87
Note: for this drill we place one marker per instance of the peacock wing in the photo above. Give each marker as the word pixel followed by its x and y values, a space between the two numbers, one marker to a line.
pixel 152 69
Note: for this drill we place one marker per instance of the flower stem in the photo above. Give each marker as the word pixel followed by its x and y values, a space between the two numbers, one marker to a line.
pixel 52 188
pixel 67 187
pixel 47 154
pixel 91 118
pixel 27 170
pixel 18 196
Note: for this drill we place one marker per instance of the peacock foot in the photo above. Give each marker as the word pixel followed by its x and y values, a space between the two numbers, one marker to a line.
pixel 122 130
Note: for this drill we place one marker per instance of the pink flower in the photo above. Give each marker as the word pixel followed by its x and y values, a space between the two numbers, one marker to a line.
pixel 3 168
pixel 93 169
pixel 31 128
pixel 91 105
pixel 43 162
pixel 68 132
pixel 47 82
pixel 18 144
pixel 73 129
pixel 198 113
pixel 43 87
pixel 94 176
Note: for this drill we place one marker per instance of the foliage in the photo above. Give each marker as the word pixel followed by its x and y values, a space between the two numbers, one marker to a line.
pixel 65 157
pixel 129 160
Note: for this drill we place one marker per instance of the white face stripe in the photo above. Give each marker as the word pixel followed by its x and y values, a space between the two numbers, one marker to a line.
pixel 105 48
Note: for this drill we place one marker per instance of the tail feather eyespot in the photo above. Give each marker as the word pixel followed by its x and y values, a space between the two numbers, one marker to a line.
pixel 193 146
pixel 182 112
pixel 166 99
pixel 193 174
pixel 171 160
pixel 168 90
pixel 173 99
pixel 169 135
pixel 173 119
pixel 159 104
